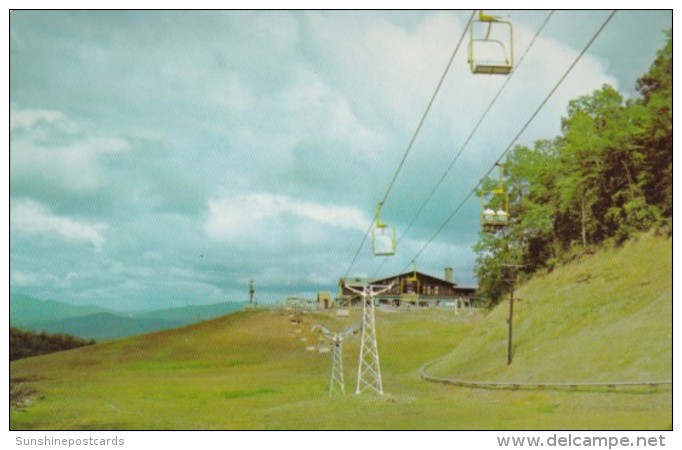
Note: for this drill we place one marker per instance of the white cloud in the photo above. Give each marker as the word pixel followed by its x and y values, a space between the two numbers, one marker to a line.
pixel 310 112
pixel 244 215
pixel 394 66
pixel 56 155
pixel 27 216
pixel 20 278
pixel 27 118
pixel 234 95
pixel 319 110
pixel 25 279
pixel 277 28
pixel 399 67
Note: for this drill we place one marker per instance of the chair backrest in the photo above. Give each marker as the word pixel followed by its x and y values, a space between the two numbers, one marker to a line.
pixel 383 240
pixel 491 46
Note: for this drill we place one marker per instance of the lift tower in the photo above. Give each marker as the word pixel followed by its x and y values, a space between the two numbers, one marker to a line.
pixel 336 383
pixel 369 369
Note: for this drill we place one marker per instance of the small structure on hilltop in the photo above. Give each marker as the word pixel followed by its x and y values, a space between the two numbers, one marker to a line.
pixel 299 304
pixel 324 300
pixel 252 298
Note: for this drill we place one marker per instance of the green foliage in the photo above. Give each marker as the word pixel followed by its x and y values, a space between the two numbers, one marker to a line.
pixel 23 344
pixel 657 140
pixel 607 176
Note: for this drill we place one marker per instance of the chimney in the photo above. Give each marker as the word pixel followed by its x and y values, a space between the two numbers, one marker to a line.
pixel 448 275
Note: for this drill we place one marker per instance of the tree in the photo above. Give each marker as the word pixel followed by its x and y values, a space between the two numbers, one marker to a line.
pixel 532 183
pixel 607 175
pixel 657 139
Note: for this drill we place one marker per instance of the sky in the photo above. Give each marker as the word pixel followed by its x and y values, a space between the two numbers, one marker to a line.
pixel 160 159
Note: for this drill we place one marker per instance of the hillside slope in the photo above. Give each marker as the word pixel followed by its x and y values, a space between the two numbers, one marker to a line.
pixel 251 369
pixel 186 315
pixel 606 317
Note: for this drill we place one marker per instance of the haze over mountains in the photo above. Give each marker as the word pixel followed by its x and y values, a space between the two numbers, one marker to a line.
pixel 94 322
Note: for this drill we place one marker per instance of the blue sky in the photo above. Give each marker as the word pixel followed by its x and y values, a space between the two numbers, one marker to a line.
pixel 166 158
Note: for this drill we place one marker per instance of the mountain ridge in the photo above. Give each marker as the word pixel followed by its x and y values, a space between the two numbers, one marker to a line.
pixel 95 322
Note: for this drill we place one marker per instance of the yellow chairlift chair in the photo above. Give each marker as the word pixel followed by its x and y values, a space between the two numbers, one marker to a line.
pixel 491 45
pixel 495 211
pixel 383 236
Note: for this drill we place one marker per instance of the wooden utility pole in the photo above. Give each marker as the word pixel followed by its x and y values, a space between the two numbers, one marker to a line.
pixel 510 320
pixel 582 221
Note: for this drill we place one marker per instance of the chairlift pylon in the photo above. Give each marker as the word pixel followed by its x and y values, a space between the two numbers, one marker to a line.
pixel 383 236
pixel 491 45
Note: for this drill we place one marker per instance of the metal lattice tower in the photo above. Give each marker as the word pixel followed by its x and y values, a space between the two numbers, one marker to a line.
pixel 336 384
pixel 369 369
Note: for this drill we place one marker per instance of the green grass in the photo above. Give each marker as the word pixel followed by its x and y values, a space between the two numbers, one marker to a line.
pixel 603 318
pixel 250 370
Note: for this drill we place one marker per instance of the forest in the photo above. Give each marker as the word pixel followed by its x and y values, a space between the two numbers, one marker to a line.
pixel 23 344
pixel 607 176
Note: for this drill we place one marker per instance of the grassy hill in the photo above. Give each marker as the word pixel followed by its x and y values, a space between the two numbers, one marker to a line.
pixel 251 370
pixel 186 315
pixel 603 318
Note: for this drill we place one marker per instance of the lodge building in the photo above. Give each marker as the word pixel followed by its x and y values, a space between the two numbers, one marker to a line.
pixel 411 288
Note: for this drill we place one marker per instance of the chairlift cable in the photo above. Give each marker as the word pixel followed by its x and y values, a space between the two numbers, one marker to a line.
pixel 414 137
pixel 428 108
pixel 532 117
pixel 468 139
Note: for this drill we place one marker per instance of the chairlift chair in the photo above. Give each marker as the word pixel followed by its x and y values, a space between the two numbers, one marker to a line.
pixel 409 287
pixel 491 45
pixel 493 220
pixel 502 217
pixel 383 236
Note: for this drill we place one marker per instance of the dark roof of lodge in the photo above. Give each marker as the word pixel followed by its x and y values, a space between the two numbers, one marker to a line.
pixel 363 281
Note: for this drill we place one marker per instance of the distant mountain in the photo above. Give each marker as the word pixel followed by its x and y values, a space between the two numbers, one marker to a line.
pixel 94 322
pixel 105 325
pixel 29 312
pixel 193 313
